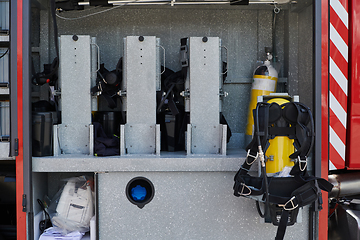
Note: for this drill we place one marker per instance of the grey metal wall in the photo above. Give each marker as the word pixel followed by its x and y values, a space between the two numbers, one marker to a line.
pixel 4 65
pixel 4 15
pixel 4 118
pixel 198 204
pixel 245 32
pixel 186 205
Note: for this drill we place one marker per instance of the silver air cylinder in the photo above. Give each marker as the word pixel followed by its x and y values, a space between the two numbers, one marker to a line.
pixel 345 184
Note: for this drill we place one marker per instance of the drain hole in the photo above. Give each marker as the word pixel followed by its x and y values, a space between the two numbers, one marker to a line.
pixel 140 191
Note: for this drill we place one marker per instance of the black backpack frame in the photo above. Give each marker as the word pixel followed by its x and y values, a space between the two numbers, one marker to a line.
pixel 282 196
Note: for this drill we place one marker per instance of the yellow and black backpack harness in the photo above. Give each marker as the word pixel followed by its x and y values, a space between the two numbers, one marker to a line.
pixel 282 196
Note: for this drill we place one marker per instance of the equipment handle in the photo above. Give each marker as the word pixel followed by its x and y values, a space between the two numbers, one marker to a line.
pixel 98 55
pixel 164 57
pixel 226 59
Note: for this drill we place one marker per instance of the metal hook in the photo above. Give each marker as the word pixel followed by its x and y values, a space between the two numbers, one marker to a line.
pixel 276 9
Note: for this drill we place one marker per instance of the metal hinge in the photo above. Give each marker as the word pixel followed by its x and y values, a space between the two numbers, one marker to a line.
pixel 24 202
pixel 16 147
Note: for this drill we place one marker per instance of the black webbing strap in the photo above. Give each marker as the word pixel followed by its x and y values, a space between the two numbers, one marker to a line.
pixel 301 196
pixel 184 56
pixel 169 84
pixel 282 225
pixel 111 102
pixel 282 131
pixel 306 194
pixel 304 135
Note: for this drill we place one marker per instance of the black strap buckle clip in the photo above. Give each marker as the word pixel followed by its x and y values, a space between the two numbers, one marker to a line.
pixel 292 207
pixel 250 155
pixel 243 188
pixel 302 162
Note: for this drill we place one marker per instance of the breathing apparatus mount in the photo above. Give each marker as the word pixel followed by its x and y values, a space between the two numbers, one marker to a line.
pixel 282 196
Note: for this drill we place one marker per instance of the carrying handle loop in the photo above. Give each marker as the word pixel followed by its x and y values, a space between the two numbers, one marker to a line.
pixel 226 59
pixel 98 56
pixel 164 57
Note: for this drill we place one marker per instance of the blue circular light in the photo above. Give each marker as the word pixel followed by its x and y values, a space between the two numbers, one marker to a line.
pixel 138 193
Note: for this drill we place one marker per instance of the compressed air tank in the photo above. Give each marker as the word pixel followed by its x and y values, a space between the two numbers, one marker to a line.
pixel 264 82
pixel 280 148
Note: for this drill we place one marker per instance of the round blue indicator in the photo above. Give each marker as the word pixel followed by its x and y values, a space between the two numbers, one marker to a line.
pixel 138 193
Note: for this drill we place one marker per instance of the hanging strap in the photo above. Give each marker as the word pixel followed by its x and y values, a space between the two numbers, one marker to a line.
pixel 282 225
pixel 299 114
pixel 306 194
pixel 184 56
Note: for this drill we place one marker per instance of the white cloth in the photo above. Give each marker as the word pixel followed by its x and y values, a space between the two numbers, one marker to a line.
pixel 55 234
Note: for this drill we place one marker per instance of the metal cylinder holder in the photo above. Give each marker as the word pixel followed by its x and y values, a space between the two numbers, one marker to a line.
pixel 140 191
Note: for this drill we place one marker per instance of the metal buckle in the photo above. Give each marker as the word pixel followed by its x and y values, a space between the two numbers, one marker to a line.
pixel 249 155
pixel 292 203
pixel 242 190
pixel 302 161
pixel 184 58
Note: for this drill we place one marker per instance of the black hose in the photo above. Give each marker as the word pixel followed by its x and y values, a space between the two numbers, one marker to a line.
pixel 263 169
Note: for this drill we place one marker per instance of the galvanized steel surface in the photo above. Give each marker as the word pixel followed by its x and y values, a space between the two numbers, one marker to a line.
pixel 186 205
pixel 140 77
pixel 75 77
pixel 204 67
pixel 245 33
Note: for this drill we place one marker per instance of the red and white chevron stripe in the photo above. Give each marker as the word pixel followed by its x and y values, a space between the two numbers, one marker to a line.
pixel 338 82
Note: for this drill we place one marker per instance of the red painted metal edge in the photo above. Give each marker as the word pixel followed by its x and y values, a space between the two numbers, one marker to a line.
pixel 323 214
pixel 21 216
pixel 352 160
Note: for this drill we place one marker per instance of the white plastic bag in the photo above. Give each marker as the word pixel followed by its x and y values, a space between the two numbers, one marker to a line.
pixel 75 206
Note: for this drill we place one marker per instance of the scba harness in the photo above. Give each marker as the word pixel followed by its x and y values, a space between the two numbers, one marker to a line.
pixel 282 196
